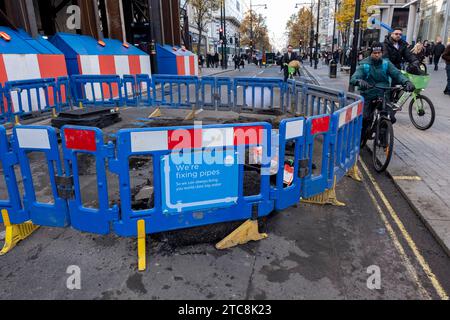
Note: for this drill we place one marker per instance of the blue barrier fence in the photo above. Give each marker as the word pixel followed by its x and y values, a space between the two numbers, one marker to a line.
pixel 280 162
pixel 97 90
pixel 28 96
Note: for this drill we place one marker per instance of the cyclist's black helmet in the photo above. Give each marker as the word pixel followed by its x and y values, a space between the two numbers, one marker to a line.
pixel 376 46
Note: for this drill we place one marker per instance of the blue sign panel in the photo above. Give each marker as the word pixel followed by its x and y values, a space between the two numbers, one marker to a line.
pixel 188 186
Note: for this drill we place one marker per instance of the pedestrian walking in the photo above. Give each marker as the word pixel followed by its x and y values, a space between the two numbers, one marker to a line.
pixel 431 50
pixel 216 60
pixel 237 62
pixel 439 49
pixel 419 51
pixel 242 61
pixel 446 58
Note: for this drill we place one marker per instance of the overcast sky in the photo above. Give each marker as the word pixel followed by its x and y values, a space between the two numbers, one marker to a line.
pixel 277 15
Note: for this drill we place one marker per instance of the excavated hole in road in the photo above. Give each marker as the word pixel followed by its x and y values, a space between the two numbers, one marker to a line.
pixel 141 168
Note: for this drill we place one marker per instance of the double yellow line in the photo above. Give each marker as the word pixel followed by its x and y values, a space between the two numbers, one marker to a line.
pixel 406 236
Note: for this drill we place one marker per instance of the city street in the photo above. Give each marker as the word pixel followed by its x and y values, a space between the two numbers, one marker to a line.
pixel 376 247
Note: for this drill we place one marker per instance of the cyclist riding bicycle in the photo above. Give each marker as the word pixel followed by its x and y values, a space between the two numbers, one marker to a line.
pixel 376 71
pixel 396 50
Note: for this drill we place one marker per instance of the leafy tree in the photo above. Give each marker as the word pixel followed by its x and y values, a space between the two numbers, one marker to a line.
pixel 260 31
pixel 346 13
pixel 299 26
pixel 203 14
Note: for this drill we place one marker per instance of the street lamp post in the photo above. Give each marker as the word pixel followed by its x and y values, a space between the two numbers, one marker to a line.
pixel 356 27
pixel 316 54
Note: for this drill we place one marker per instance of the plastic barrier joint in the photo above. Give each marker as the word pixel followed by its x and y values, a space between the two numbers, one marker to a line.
pixel 247 232
pixel 355 173
pixel 15 233
pixel 327 198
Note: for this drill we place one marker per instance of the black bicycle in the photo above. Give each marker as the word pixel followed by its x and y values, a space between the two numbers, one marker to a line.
pixel 381 129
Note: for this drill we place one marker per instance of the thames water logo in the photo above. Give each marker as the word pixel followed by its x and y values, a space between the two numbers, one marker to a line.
pixel 374 280
pixel 74 20
pixel 74 280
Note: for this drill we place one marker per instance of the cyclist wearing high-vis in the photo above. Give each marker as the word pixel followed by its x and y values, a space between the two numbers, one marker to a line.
pixel 376 71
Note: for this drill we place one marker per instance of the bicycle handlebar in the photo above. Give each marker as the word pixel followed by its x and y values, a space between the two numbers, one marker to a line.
pixel 388 88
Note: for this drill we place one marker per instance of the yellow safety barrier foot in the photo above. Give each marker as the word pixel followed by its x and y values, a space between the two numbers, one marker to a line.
pixel 191 115
pixel 155 114
pixel 247 232
pixel 142 254
pixel 355 174
pixel 327 198
pixel 16 121
pixel 54 114
pixel 15 233
pixel 81 105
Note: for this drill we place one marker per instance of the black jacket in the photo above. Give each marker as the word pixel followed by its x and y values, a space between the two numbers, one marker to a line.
pixel 397 56
pixel 446 55
pixel 286 59
pixel 438 50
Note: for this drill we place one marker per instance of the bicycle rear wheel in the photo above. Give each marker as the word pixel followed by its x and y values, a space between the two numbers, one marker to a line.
pixel 422 113
pixel 383 145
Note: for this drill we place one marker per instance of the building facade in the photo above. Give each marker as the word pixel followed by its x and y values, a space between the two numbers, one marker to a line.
pixel 434 20
pixel 210 43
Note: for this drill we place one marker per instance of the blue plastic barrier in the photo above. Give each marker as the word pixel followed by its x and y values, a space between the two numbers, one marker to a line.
pixel 144 90
pixel 12 203
pixel 348 126
pixel 39 139
pixel 311 100
pixel 292 131
pixel 224 90
pixel 4 112
pixel 169 90
pixel 208 92
pixel 27 96
pixel 97 90
pixel 88 141
pixel 154 142
pixel 319 126
pixel 64 93
pixel 259 93
pixel 129 90
pixel 334 136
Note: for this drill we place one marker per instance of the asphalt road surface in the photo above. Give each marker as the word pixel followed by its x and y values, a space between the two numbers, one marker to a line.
pixel 373 248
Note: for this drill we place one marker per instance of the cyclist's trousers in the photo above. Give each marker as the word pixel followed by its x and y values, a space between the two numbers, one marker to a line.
pixel 368 114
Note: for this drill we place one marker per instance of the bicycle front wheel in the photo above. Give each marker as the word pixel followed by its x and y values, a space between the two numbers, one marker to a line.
pixel 422 113
pixel 383 145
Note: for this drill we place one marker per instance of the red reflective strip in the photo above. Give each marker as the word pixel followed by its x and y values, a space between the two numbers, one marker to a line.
pixel 3 75
pixel 135 64
pixel 248 135
pixel 185 139
pixel 80 67
pixel 52 66
pixel 181 67
pixel 83 140
pixel 192 65
pixel 348 115
pixel 108 66
pixel 320 125
pixel 360 108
